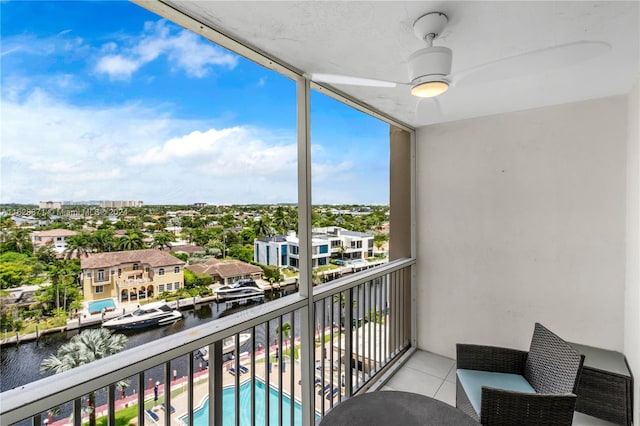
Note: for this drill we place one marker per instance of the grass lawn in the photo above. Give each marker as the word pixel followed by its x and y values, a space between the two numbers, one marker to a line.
pixel 325 268
pixel 123 417
pixel 288 273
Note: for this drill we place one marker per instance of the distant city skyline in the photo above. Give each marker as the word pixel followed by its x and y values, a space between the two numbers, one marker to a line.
pixel 107 101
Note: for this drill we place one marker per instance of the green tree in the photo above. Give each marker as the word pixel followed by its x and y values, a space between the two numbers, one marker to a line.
pixel 190 279
pixel 247 235
pixel 379 240
pixel 18 240
pixel 238 251
pixel 263 228
pixel 286 330
pixel 271 273
pixel 214 247
pixel 130 241
pixel 163 240
pixel 62 293
pixel 18 269
pixel 342 250
pixel 46 254
pixel 80 244
pixel 281 220
pixel 88 346
pixel 103 240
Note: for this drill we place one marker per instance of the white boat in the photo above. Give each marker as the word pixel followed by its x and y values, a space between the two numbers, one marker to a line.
pixel 243 289
pixel 149 315
pixel 228 345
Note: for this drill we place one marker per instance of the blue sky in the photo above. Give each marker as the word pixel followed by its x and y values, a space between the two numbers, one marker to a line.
pixel 105 100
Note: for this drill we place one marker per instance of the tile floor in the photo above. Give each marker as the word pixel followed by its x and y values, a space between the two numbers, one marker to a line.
pixel 435 376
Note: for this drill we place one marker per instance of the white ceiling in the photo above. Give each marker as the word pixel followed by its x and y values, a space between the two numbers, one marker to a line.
pixel 374 39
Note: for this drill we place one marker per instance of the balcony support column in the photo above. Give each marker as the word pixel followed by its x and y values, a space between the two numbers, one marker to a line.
pixel 303 94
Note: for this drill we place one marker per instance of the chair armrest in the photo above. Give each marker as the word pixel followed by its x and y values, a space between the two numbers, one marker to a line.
pixel 526 409
pixel 490 358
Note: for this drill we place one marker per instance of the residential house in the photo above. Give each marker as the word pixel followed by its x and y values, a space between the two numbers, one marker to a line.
pixel 228 271
pixel 130 275
pixel 327 243
pixel 56 238
pixel 346 245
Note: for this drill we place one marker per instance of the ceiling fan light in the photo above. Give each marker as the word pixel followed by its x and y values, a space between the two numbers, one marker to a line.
pixel 429 89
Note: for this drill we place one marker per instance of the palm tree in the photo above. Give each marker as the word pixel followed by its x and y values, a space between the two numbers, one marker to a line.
pixel 286 330
pixel 103 240
pixel 263 228
pixel 281 220
pixel 83 348
pixel 163 240
pixel 80 243
pixel 342 249
pixel 130 241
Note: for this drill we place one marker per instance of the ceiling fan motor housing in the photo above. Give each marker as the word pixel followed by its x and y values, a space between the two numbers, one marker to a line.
pixel 430 64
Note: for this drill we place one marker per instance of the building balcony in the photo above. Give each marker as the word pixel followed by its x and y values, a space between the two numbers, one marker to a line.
pixel 496 221
pixel 125 283
pixel 337 353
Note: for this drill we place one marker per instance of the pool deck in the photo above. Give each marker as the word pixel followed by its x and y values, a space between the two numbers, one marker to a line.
pixel 201 388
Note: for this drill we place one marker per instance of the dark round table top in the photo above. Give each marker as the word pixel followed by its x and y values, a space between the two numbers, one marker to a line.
pixel 395 408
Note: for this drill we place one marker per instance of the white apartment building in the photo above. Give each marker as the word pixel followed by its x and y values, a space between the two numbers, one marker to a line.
pixel 121 203
pixel 330 242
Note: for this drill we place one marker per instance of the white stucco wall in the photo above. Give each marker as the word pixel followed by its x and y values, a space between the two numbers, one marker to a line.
pixel 521 218
pixel 632 293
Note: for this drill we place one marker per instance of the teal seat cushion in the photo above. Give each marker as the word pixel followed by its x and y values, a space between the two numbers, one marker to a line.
pixel 473 380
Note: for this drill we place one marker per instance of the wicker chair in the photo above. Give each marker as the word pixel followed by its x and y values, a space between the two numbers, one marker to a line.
pixel 500 386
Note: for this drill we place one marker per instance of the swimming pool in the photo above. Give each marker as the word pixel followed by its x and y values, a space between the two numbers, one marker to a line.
pixel 97 306
pixel 201 415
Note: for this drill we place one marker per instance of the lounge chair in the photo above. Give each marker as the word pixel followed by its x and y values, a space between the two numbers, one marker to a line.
pixel 317 382
pixel 324 389
pixel 232 371
pixel 499 386
pixel 243 369
pixel 332 394
pixel 153 416
pixel 171 408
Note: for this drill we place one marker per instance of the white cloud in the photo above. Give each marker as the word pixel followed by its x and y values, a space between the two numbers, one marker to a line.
pixel 117 67
pixel 230 152
pixel 53 150
pixel 261 82
pixel 184 50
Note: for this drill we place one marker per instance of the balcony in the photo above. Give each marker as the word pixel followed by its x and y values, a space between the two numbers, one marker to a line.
pixel 342 340
pixel 126 283
pixel 528 214
pixel 322 362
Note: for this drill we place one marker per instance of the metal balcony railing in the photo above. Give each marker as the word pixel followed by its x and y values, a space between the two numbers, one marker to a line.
pixel 243 369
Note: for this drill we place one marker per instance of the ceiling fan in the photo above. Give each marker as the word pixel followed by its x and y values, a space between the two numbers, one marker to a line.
pixel 429 69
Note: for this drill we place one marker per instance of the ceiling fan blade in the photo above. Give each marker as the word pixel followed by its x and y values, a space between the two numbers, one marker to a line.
pixel 428 110
pixel 536 61
pixel 352 81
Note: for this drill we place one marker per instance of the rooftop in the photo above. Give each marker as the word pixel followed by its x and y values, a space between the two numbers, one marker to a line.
pixel 55 233
pixel 151 257
pixel 225 269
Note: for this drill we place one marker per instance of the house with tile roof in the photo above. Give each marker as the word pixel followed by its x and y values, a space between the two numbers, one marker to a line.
pixel 130 275
pixel 57 238
pixel 228 271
